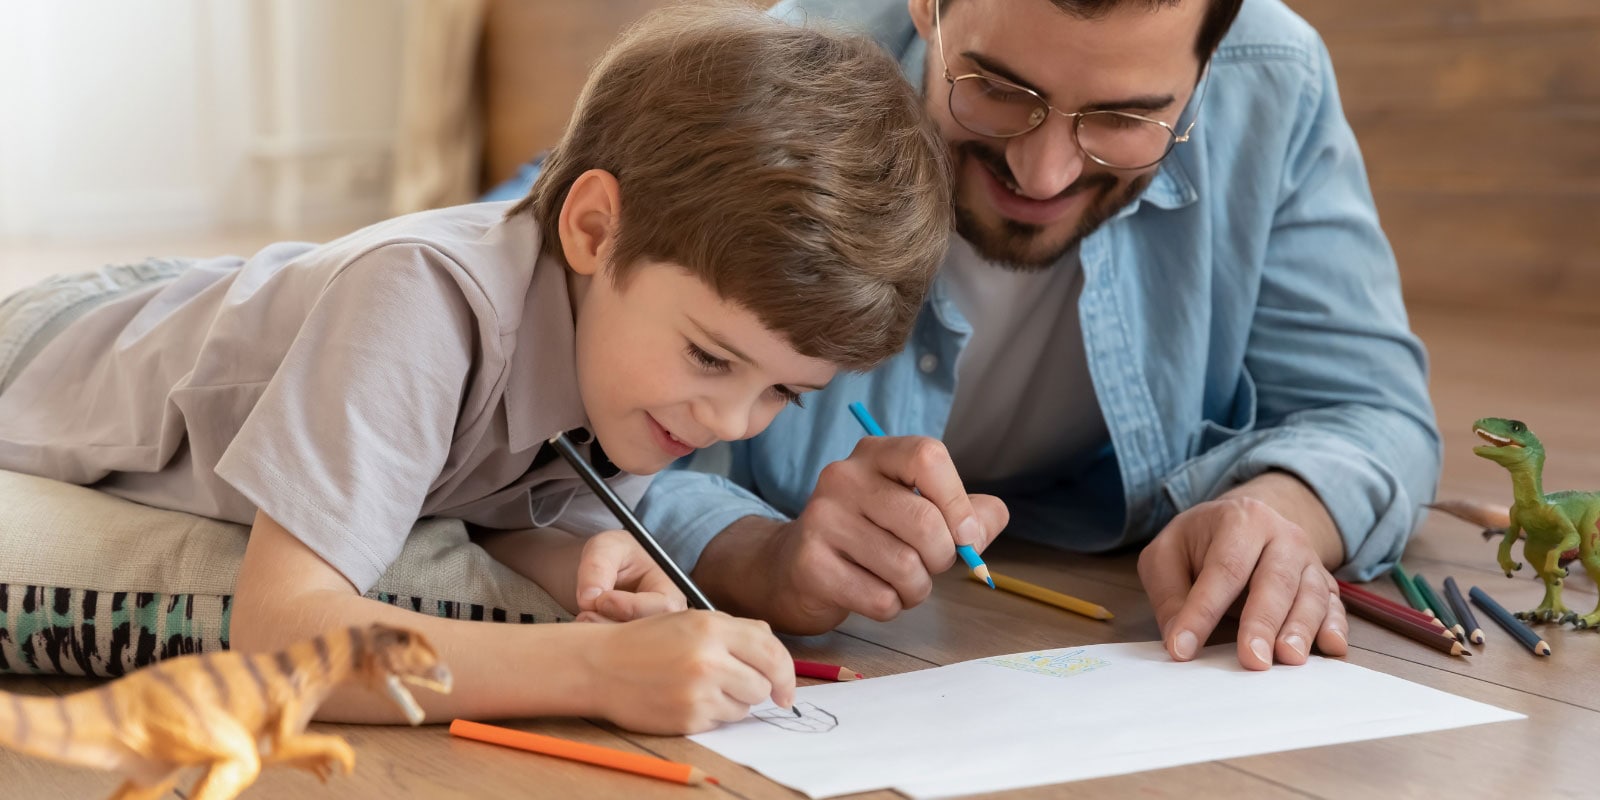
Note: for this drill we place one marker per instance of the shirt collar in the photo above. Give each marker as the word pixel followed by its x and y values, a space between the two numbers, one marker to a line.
pixel 542 397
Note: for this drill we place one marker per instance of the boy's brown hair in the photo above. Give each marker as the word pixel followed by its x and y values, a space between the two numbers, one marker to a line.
pixel 792 169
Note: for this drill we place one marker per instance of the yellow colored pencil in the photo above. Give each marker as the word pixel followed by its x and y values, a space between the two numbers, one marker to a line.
pixel 1047 596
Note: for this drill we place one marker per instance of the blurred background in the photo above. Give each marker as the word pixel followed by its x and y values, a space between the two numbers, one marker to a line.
pixel 199 127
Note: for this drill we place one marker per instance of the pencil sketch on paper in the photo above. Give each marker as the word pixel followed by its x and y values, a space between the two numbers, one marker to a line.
pixel 811 719
pixel 1055 663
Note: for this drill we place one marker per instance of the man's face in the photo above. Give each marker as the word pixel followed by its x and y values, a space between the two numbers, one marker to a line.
pixel 666 366
pixel 1026 200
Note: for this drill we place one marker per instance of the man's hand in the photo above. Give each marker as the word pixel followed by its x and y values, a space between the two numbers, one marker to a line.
pixel 619 582
pixel 1269 540
pixel 866 542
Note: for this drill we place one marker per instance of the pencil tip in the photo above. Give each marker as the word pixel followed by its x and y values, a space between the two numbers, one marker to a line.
pixel 795 710
pixel 989 581
pixel 713 781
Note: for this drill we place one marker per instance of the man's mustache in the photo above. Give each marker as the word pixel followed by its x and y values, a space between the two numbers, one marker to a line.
pixel 996 163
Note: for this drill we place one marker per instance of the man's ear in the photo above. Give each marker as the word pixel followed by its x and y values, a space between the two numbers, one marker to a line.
pixel 589 219
pixel 922 17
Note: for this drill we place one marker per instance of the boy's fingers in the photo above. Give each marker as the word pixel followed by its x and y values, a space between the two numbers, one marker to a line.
pixel 603 557
pixel 754 644
pixel 625 606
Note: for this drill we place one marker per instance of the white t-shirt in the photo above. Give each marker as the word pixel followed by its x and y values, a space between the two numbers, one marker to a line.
pixel 1024 402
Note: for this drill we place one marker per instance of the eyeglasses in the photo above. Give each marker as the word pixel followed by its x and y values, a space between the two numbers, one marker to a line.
pixel 1003 110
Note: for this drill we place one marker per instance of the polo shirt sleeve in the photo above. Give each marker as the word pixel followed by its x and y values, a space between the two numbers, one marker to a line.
pixel 355 426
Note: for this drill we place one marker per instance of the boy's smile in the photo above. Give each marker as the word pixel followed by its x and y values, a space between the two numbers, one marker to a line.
pixel 666 366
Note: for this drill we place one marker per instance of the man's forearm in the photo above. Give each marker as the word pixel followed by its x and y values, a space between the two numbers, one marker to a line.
pixel 1291 498
pixel 736 568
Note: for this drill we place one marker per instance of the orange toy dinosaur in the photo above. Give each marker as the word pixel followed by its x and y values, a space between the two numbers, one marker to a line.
pixel 229 711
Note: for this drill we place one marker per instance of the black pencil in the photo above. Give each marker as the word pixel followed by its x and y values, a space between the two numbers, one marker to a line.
pixel 1513 626
pixel 1452 594
pixel 1440 610
pixel 692 593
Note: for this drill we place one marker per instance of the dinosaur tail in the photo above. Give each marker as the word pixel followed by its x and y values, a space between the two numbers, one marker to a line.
pixel 69 730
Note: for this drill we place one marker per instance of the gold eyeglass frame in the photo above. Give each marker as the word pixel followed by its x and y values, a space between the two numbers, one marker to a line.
pixel 1173 137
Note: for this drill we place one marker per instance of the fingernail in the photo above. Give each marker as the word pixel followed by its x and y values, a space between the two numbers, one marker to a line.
pixel 1183 647
pixel 589 594
pixel 1262 650
pixel 1297 643
pixel 1340 634
pixel 969 531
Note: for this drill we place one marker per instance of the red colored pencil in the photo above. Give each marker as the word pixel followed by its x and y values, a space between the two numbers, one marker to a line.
pixel 1423 634
pixel 1346 590
pixel 827 672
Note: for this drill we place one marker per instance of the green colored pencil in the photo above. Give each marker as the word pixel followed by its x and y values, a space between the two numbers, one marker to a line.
pixel 1409 589
pixel 1437 603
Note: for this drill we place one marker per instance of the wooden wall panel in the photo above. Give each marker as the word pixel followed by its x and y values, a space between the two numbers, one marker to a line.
pixel 1480 124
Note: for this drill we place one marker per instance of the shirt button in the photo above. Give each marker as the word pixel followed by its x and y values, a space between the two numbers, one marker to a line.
pixel 928 362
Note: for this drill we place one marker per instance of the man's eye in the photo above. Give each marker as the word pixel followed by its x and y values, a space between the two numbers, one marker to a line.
pixel 706 360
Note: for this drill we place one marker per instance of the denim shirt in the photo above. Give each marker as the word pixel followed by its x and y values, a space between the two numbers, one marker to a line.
pixel 1242 315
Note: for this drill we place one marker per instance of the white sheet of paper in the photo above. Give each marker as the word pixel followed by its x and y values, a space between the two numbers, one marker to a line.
pixel 1079 712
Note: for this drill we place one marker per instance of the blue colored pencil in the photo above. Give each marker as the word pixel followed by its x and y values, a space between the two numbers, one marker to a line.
pixel 1513 626
pixel 1452 594
pixel 966 551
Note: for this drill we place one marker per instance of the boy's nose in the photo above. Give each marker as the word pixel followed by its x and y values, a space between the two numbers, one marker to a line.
pixel 728 421
pixel 1046 160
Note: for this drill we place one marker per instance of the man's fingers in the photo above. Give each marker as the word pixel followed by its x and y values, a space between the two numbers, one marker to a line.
pixel 1333 638
pixel 1305 617
pixel 1224 574
pixel 924 463
pixel 1274 588
pixel 994 515
pixel 1167 575
pixel 893 562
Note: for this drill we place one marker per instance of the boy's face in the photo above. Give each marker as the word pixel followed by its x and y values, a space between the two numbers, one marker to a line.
pixel 666 366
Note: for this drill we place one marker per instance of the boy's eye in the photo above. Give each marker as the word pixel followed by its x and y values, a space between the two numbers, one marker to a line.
pixel 706 360
pixel 789 396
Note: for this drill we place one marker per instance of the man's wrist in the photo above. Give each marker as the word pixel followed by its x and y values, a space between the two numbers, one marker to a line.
pixel 734 569
pixel 1286 494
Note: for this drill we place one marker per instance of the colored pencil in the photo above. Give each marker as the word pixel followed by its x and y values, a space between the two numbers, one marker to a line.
pixel 966 551
pixel 1411 629
pixel 827 672
pixel 1452 593
pixel 648 766
pixel 1399 608
pixel 1048 596
pixel 1513 626
pixel 1437 604
pixel 1409 590
pixel 692 593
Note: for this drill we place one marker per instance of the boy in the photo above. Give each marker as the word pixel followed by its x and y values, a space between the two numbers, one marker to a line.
pixel 738 209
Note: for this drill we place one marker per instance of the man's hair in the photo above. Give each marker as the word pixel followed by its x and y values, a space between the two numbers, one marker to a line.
pixel 1219 17
pixel 792 169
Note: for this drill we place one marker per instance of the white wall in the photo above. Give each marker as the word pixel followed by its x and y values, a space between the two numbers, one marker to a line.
pixel 129 118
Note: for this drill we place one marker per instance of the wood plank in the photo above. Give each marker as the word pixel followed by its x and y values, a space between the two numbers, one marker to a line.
pixel 1441 15
pixel 1468 150
pixel 1484 71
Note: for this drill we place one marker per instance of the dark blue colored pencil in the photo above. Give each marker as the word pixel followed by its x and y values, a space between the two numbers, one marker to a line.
pixel 1458 604
pixel 1513 626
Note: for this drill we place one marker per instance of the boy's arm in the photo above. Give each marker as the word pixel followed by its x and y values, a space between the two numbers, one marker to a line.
pixel 669 674
pixel 604 577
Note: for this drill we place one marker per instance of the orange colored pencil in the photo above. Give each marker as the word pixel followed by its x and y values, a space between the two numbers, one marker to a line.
pixel 648 766
pixel 827 672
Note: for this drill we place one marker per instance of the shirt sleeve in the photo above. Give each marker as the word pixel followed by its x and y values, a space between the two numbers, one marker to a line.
pixel 355 426
pixel 1340 381
pixel 685 508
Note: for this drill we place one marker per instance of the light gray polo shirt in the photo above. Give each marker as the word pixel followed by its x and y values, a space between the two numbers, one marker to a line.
pixel 413 368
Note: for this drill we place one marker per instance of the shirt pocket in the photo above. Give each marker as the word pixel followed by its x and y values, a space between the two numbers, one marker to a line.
pixel 1241 419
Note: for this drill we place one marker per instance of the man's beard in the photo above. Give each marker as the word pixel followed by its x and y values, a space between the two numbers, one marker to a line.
pixel 1020 245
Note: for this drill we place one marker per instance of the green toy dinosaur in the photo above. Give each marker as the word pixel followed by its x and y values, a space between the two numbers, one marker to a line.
pixel 1553 523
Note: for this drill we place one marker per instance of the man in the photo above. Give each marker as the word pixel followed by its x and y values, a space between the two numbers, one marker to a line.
pixel 1170 313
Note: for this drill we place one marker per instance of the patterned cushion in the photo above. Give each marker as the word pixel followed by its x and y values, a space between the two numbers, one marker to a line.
pixel 92 584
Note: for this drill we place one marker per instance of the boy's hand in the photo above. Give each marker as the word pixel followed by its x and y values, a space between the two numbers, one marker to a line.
pixel 686 672
pixel 618 581
pixel 865 542
pixel 1268 541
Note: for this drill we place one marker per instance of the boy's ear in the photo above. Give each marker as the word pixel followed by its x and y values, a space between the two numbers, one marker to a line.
pixel 589 218
pixel 922 17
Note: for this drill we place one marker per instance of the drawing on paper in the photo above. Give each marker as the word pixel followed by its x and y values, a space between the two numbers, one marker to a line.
pixel 811 719
pixel 1055 663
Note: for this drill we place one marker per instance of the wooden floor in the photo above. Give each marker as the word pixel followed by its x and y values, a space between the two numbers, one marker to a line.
pixel 1480 369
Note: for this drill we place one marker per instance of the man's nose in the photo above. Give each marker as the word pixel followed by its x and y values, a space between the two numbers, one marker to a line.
pixel 1047 159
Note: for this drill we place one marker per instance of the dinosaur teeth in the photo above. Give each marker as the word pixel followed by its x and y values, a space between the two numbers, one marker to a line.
pixel 1497 441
